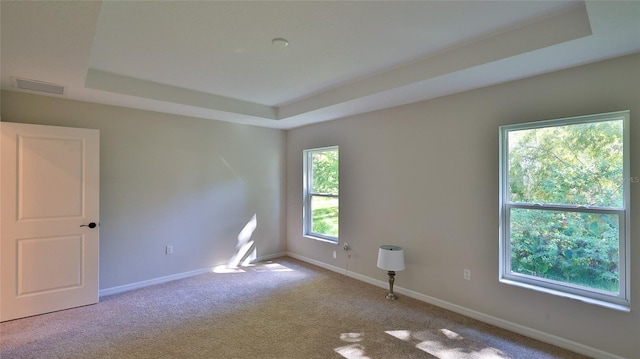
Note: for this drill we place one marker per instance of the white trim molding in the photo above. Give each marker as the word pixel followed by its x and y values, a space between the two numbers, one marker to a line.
pixel 150 282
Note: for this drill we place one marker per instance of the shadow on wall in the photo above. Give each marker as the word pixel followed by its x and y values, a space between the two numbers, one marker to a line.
pixel 246 252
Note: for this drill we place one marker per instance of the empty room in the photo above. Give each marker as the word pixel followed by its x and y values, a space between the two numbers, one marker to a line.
pixel 319 179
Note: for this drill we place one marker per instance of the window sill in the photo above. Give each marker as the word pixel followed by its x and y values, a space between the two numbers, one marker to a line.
pixel 601 303
pixel 331 241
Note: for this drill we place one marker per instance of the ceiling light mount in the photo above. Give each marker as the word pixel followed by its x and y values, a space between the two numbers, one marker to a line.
pixel 280 42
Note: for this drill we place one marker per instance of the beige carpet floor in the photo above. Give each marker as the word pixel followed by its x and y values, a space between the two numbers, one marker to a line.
pixel 278 309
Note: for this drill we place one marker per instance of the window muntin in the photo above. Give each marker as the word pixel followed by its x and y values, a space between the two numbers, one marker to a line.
pixel 321 193
pixel 564 207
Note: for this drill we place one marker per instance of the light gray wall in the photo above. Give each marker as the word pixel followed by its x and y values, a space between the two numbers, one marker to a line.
pixel 425 176
pixel 172 180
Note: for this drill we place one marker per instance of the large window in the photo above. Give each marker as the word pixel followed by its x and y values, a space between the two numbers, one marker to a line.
pixel 321 193
pixel 564 207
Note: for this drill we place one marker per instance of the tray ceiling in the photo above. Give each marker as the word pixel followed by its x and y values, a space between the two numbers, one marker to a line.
pixel 216 59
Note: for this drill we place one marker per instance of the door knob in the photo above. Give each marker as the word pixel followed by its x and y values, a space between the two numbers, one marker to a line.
pixel 90 225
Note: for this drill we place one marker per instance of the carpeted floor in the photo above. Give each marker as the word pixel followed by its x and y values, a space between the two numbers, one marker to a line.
pixel 278 309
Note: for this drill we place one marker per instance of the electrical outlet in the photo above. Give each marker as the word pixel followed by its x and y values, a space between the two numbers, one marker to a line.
pixel 169 250
pixel 466 274
pixel 335 254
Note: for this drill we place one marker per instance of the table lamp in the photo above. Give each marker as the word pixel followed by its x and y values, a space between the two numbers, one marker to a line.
pixel 391 259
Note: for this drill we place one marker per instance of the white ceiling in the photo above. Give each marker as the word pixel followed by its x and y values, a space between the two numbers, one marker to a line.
pixel 215 59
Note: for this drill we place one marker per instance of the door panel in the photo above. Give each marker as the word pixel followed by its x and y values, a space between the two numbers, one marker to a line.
pixel 59 160
pixel 50 189
pixel 47 264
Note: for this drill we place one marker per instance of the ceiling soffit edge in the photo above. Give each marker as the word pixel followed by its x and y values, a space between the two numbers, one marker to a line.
pixel 104 81
pixel 568 25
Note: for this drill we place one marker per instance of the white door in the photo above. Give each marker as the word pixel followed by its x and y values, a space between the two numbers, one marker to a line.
pixel 48 246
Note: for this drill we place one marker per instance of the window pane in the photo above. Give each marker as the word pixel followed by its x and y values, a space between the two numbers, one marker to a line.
pixel 580 164
pixel 324 215
pixel 569 247
pixel 325 172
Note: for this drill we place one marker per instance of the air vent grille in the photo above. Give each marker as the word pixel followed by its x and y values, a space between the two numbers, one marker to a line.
pixel 39 86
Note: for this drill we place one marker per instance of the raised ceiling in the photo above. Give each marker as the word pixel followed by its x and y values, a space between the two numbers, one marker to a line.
pixel 216 60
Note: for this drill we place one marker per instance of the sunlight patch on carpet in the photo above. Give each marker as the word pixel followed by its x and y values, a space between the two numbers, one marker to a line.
pixel 271 267
pixel 451 334
pixel 404 335
pixel 226 269
pixel 352 337
pixel 353 351
pixel 446 344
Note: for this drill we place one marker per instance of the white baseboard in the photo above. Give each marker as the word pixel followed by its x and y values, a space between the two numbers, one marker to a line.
pixel 501 323
pixel 146 283
pixel 271 256
pixel 169 278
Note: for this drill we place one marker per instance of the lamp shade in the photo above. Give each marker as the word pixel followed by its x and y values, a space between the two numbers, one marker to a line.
pixel 391 258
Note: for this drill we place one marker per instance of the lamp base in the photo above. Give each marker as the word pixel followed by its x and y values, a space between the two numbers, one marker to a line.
pixel 392 278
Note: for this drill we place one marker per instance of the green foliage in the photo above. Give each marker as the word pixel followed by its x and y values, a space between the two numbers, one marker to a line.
pixel 574 164
pixel 567 165
pixel 325 220
pixel 325 172
pixel 570 247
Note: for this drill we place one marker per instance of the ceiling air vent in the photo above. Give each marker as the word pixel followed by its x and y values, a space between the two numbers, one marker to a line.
pixel 39 86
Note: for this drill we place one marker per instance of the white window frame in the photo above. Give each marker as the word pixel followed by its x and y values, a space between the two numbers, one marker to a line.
pixel 619 301
pixel 308 195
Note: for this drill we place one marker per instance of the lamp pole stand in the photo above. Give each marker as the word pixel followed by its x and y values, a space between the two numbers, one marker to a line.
pixel 392 278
